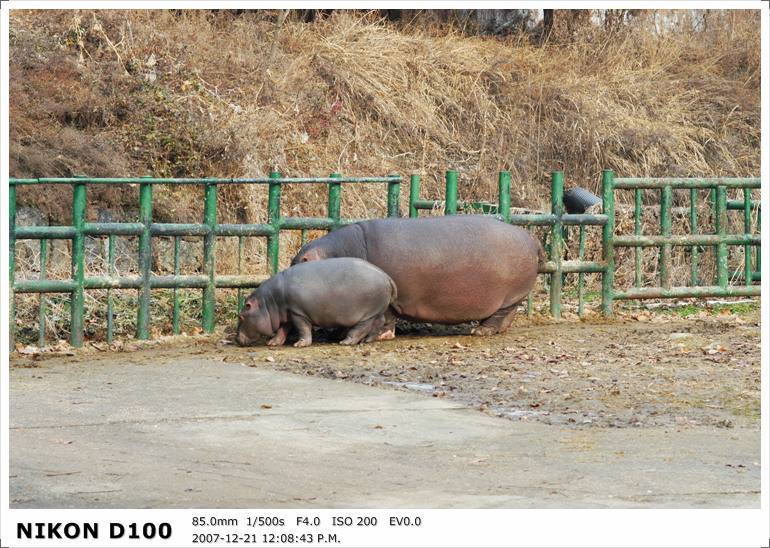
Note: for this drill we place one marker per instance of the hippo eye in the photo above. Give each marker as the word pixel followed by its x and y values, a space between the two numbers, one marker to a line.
pixel 303 260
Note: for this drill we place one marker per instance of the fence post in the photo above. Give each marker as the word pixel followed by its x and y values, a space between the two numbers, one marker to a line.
pixel 693 231
pixel 414 194
pixel 450 206
pixel 273 219
pixel 665 231
pixel 145 259
pixel 638 232
pixel 758 248
pixel 12 264
pixel 748 275
pixel 608 231
pixel 77 306
pixel 209 249
pixel 41 320
pixel 394 194
pixel 110 273
pixel 557 243
pixel 240 269
pixel 581 275
pixel 334 199
pixel 504 195
pixel 721 229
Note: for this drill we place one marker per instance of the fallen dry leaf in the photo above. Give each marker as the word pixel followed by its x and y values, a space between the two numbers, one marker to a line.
pixel 714 348
pixel 29 350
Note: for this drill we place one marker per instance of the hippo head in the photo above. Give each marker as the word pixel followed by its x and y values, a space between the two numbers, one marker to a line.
pixel 253 322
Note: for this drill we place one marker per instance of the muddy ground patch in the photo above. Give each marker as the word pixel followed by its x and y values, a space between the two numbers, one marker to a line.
pixel 638 370
pixel 635 371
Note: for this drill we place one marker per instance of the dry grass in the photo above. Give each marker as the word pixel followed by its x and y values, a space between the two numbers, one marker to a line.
pixel 353 94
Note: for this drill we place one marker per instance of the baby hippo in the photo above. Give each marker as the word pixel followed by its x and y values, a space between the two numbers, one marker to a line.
pixel 342 292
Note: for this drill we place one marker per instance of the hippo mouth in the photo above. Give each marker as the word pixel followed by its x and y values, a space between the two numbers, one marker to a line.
pixel 243 340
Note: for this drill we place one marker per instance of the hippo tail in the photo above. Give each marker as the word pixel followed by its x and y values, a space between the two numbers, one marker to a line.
pixel 540 250
pixel 393 291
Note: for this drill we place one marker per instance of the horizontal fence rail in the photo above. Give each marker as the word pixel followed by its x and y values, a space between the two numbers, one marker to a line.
pixel 555 265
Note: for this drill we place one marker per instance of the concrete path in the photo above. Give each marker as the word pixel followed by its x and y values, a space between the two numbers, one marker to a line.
pixel 144 431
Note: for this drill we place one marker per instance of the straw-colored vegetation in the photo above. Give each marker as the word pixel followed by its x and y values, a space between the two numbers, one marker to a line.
pixel 191 93
pixel 196 93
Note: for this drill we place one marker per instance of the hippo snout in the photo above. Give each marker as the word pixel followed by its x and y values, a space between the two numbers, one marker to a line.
pixel 240 333
pixel 242 339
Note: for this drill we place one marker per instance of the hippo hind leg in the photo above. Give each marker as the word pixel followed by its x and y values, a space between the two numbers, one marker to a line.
pixel 361 330
pixel 377 325
pixel 497 322
pixel 387 330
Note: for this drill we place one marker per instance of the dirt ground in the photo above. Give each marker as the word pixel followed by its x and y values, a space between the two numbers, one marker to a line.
pixel 639 369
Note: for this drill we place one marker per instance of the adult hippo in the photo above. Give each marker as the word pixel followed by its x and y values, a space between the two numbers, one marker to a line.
pixel 448 270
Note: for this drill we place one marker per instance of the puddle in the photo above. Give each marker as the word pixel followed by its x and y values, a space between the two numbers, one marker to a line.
pixel 421 387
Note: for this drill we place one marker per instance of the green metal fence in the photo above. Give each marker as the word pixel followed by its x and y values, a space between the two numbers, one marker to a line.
pixel 145 229
pixel 665 241
pixel 555 266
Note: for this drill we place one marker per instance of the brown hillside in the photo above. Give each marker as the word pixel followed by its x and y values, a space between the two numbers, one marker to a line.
pixel 193 93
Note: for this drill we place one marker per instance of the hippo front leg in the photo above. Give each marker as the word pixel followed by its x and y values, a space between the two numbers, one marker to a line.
pixel 305 328
pixel 497 322
pixel 280 336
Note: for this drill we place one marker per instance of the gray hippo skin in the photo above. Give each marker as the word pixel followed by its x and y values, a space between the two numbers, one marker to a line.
pixel 335 293
pixel 448 270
